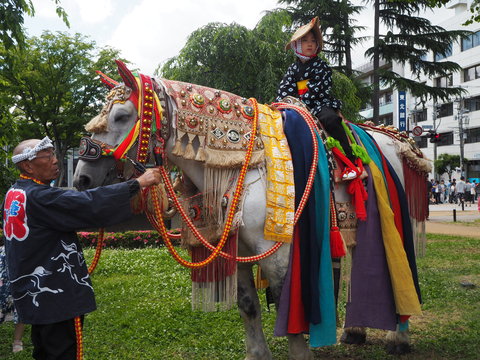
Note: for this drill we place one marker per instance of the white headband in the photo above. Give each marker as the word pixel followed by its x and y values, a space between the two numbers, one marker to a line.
pixel 30 153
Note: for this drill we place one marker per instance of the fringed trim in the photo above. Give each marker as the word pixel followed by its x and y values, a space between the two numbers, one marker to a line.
pixel 178 148
pixel 189 153
pixel 217 182
pixel 214 287
pixel 201 150
pixel 414 161
pixel 230 159
pixel 419 237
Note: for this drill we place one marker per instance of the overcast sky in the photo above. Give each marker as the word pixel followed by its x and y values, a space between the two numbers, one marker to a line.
pixel 148 32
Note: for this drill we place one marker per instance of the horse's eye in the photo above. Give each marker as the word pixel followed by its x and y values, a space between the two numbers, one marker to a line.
pixel 121 118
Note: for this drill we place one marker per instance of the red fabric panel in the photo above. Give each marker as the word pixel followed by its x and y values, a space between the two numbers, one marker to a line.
pixel 296 314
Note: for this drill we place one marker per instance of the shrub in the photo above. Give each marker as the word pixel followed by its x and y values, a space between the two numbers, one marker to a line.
pixel 126 240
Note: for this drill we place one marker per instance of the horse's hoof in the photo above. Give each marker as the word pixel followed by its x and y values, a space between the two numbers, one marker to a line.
pixel 398 349
pixel 353 338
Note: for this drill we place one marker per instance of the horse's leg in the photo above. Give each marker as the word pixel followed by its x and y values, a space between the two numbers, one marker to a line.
pixel 398 342
pixel 354 336
pixel 250 311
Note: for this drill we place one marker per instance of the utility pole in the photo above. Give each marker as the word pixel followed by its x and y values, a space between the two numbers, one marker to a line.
pixel 434 118
pixel 461 117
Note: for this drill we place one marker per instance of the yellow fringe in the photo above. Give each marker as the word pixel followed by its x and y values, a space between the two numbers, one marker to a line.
pixel 231 159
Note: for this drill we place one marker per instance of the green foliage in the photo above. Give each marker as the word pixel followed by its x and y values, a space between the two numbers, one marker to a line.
pixel 12 20
pixel 407 39
pixel 51 86
pixel 345 90
pixel 447 163
pixel 8 171
pixel 249 63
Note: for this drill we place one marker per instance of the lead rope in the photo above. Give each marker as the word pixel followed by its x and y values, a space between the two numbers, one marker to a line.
pixel 91 268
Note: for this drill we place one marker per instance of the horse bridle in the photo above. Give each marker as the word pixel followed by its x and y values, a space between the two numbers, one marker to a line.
pixel 150 117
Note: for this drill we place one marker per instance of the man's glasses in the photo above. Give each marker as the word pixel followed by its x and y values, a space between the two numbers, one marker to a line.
pixel 50 156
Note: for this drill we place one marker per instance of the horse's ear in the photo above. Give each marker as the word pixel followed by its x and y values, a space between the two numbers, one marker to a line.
pixel 127 76
pixel 107 80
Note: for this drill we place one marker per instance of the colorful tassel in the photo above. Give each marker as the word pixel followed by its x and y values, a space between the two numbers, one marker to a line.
pixel 337 246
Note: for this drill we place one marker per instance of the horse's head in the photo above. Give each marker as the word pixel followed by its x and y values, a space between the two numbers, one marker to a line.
pixel 127 128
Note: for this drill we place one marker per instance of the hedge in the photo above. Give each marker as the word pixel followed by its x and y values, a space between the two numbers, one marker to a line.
pixel 126 240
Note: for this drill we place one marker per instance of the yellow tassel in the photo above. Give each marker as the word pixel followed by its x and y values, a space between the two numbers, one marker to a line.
pixel 200 154
pixel 189 152
pixel 177 149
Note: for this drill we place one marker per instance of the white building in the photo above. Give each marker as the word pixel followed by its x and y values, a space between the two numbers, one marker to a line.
pixel 453 118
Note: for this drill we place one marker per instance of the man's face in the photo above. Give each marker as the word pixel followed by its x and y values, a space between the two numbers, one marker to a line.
pixel 45 166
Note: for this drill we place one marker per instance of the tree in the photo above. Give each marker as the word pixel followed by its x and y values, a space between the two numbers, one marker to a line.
pixel 12 34
pixel 233 58
pixel 407 41
pixel 249 63
pixel 12 19
pixel 337 19
pixel 447 163
pixel 53 79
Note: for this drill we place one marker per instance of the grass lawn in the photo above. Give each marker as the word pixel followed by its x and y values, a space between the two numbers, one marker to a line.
pixel 144 312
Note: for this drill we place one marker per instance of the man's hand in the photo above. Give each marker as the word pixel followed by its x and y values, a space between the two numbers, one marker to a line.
pixel 150 177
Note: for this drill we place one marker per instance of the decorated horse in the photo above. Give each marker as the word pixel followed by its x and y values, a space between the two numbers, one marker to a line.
pixel 264 184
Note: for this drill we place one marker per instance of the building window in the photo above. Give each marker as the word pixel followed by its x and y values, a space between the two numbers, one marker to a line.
pixel 446 139
pixel 388 98
pixel 386 119
pixel 473 135
pixel 419 115
pixel 471 41
pixel 445 110
pixel 471 73
pixel 440 56
pixel 472 104
pixel 444 81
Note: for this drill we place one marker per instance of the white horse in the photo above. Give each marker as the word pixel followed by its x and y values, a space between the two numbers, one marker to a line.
pixel 119 116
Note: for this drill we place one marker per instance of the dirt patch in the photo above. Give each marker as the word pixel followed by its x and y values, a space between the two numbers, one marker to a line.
pixel 459 229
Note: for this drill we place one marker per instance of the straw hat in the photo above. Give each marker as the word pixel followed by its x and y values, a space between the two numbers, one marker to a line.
pixel 313 25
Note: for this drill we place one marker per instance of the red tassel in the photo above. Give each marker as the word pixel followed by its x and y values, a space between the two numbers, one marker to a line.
pixel 337 245
pixel 359 196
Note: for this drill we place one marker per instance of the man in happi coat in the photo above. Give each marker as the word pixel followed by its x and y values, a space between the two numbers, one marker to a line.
pixel 49 278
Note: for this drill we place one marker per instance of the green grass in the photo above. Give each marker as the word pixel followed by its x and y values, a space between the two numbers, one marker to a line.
pixel 144 312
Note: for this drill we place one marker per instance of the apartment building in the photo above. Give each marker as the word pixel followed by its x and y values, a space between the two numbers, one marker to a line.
pixel 456 120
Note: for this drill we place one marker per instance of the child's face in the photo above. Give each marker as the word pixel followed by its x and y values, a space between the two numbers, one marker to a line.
pixel 309 45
